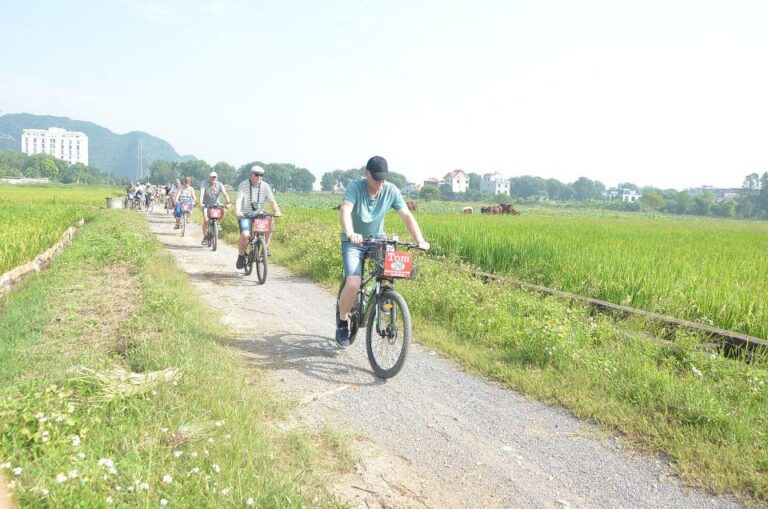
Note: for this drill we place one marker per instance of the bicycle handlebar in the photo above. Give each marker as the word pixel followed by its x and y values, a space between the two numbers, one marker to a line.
pixel 393 242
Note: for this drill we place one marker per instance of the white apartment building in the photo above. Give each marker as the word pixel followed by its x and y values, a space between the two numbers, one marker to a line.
pixel 70 146
pixel 494 183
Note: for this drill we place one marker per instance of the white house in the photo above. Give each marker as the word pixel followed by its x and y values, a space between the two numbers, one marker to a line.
pixel 69 146
pixel 623 194
pixel 457 180
pixel 494 183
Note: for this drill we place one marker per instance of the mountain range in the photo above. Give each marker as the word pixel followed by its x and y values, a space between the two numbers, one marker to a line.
pixel 113 153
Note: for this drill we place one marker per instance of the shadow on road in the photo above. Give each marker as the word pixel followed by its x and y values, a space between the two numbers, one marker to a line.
pixel 313 356
pixel 224 278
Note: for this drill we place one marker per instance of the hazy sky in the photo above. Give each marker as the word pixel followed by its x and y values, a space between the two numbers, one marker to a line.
pixel 671 93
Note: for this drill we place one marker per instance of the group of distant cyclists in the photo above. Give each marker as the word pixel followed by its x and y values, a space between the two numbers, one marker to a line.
pixel 361 216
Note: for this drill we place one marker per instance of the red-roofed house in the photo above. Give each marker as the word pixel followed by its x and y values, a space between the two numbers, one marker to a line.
pixel 458 180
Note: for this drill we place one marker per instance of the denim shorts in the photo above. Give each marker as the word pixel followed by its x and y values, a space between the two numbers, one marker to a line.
pixel 353 256
pixel 245 224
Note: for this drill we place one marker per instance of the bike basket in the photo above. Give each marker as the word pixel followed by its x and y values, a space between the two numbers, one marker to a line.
pixel 262 225
pixel 186 206
pixel 398 264
pixel 215 213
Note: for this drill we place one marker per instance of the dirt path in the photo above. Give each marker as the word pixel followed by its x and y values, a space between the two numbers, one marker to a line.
pixel 433 436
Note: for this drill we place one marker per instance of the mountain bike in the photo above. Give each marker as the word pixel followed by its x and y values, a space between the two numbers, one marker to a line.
pixel 380 309
pixel 215 215
pixel 186 208
pixel 256 250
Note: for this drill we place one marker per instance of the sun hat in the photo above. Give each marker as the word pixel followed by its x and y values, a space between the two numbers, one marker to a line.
pixel 258 170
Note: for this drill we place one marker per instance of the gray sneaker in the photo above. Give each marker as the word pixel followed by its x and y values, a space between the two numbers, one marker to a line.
pixel 342 336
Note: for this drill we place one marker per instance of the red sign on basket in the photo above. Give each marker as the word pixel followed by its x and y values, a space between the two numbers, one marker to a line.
pixel 262 225
pixel 397 264
pixel 215 213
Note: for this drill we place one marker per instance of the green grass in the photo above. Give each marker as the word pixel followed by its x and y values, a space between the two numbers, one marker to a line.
pixel 707 413
pixel 73 433
pixel 33 218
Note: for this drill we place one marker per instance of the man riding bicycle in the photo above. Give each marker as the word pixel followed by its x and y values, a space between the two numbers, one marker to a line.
pixel 210 195
pixel 366 201
pixel 251 196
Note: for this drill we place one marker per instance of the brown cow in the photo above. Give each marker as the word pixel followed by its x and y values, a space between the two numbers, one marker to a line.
pixel 467 210
pixel 411 205
pixel 495 209
pixel 508 209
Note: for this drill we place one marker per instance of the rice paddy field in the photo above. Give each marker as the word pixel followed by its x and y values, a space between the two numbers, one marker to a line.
pixel 33 218
pixel 705 270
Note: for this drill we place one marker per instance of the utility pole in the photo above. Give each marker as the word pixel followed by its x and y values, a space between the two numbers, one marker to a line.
pixel 140 170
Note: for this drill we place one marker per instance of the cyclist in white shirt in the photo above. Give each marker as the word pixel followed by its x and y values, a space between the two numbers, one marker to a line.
pixel 252 194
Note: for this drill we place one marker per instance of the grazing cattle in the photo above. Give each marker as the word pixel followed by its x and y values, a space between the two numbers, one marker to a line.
pixel 466 210
pixel 485 210
pixel 508 209
pixel 411 205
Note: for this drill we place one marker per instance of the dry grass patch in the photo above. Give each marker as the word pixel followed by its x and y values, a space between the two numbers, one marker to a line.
pixel 90 312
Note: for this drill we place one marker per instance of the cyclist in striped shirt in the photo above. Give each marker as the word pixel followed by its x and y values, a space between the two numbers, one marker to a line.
pixel 252 194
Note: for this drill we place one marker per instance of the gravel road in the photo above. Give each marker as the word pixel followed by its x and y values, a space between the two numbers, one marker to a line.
pixel 433 436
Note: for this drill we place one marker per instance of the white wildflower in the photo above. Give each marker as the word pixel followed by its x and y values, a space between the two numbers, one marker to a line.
pixel 76 440
pixel 11 485
pixel 81 455
pixel 194 454
pixel 71 408
pixel 210 440
pixel 164 430
pixel 177 454
pixel 60 478
pixel 17 471
pixel 163 502
pixel 106 462
pixel 695 370
pixel 216 468
pixel 250 502
pixel 73 474
pixel 5 466
pixel 167 478
pixel 109 500
pixel 194 470
pixel 219 424
pixel 225 491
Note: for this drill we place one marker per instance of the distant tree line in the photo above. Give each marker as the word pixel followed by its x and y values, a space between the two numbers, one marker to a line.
pixel 338 180
pixel 19 164
pixel 752 203
pixel 281 176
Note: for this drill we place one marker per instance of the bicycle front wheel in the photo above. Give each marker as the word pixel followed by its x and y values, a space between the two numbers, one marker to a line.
pixel 261 261
pixel 213 234
pixel 388 335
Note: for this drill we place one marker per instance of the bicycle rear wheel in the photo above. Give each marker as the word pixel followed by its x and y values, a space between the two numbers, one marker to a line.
pixel 388 335
pixel 248 268
pixel 213 234
pixel 354 313
pixel 261 261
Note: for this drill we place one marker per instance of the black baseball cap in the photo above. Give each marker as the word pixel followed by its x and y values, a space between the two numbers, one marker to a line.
pixel 378 167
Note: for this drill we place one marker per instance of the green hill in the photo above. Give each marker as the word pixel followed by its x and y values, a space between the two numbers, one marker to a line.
pixel 117 154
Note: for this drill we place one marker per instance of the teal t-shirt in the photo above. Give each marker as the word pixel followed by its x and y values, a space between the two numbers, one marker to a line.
pixel 368 213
